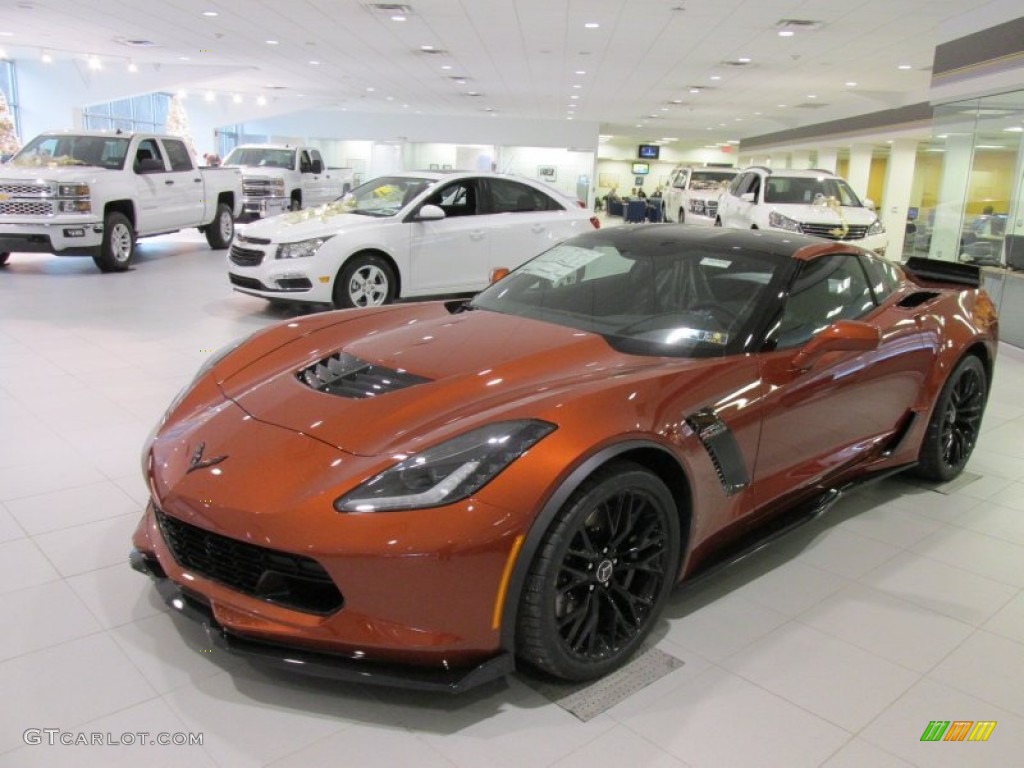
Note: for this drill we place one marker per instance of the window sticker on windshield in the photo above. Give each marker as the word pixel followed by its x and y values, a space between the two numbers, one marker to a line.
pixel 555 267
pixel 696 334
pixel 707 261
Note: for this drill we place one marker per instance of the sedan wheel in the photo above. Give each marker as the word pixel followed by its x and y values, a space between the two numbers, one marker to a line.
pixel 365 281
pixel 955 423
pixel 601 575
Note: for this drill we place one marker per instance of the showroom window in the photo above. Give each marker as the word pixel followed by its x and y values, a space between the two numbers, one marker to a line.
pixel 146 114
pixel 9 86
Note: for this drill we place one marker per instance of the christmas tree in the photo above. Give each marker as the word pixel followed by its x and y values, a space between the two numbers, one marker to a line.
pixel 177 123
pixel 9 143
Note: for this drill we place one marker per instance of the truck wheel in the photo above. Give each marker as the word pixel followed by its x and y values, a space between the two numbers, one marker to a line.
pixel 365 280
pixel 118 247
pixel 681 217
pixel 296 203
pixel 221 231
pixel 3 258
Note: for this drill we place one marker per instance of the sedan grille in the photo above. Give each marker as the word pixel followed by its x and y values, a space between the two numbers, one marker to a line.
pixel 26 208
pixel 246 257
pixel 247 282
pixel 347 376
pixel 834 231
pixel 291 580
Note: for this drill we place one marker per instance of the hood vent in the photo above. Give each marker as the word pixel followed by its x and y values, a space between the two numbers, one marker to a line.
pixel 343 375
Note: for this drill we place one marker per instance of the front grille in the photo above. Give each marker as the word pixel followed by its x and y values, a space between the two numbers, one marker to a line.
pixel 704 207
pixel 246 257
pixel 835 231
pixel 247 282
pixel 347 376
pixel 256 188
pixel 25 189
pixel 26 208
pixel 279 577
pixel 254 240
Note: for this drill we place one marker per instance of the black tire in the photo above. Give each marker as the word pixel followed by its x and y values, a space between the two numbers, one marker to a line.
pixel 681 218
pixel 718 221
pixel 296 203
pixel 221 231
pixel 601 575
pixel 3 258
pixel 955 423
pixel 365 280
pixel 117 251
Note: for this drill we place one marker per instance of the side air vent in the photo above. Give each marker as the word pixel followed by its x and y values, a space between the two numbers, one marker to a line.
pixel 718 440
pixel 347 376
pixel 916 299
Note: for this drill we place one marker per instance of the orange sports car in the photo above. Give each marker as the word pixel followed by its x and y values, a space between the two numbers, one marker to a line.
pixel 427 494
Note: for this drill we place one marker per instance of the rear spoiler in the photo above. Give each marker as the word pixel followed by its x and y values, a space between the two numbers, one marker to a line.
pixel 939 271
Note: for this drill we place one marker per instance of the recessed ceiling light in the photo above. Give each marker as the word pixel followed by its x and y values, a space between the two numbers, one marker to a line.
pixel 427 48
pixel 133 67
pixel 904 66
pixel 569 118
pixel 237 98
pixel 208 96
pixel 851 84
pixel 676 101
pixel 210 13
pixel 695 90
pixel 405 106
pixel 739 119
pixel 669 138
pixel 398 17
pixel 664 109
pixel 370 89
pixel 390 98
pixel 581 72
pixel 271 42
pixel 314 62
pixel 781 106
pixel 591 25
pixel 1014 129
pixel 639 125
pixel 574 96
pixel 811 96
pixel 577 86
pixel 46 58
pixel 786 33
pixel 715 77
pixel 180 58
pixel 744 59
pixel 262 101
pixel 446 67
pixel 758 113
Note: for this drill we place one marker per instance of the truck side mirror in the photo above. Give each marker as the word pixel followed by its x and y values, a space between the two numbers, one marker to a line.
pixel 318 166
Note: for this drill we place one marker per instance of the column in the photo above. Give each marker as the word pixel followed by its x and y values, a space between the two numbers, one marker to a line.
pixel 949 211
pixel 860 168
pixel 780 160
pixel 899 181
pixel 827 159
pixel 800 158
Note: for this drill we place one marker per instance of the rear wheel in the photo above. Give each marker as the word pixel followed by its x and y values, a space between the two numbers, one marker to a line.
pixel 3 258
pixel 221 231
pixel 118 247
pixel 296 202
pixel 956 422
pixel 365 280
pixel 601 575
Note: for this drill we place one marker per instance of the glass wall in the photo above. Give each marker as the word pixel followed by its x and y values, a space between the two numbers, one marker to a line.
pixel 9 86
pixel 146 113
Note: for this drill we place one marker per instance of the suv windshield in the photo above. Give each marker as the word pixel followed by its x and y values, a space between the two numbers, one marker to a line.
pixel 385 196
pixel 261 157
pixel 65 149
pixel 658 296
pixel 808 190
pixel 710 179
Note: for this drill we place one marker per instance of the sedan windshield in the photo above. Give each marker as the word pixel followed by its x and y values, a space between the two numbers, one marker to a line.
pixel 781 189
pixel 650 296
pixel 384 196
pixel 68 149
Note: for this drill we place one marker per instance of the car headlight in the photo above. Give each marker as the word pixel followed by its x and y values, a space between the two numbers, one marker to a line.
pixel 72 190
pixel 301 249
pixel 447 472
pixel 777 220
pixel 876 228
pixel 277 185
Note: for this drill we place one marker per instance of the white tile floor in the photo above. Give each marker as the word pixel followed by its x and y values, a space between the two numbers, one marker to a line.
pixel 835 646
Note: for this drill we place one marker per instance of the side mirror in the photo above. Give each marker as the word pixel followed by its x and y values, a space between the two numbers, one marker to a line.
pixel 498 273
pixel 841 336
pixel 429 213
pixel 318 166
pixel 747 197
pixel 869 203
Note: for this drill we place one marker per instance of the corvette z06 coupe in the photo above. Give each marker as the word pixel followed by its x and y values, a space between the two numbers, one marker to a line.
pixel 427 494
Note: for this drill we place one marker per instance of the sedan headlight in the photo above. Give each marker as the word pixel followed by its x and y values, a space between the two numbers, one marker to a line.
pixel 777 220
pixel 876 228
pixel 447 472
pixel 301 249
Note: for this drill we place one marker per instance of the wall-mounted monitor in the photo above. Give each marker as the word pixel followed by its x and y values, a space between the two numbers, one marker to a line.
pixel 641 169
pixel 648 151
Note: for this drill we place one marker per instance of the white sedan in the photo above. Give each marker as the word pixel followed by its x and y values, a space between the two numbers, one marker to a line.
pixel 406 235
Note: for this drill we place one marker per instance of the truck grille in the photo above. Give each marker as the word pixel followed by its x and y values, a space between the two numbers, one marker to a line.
pixel 246 257
pixel 26 208
pixel 294 581
pixel 25 189
pixel 704 207
pixel 834 231
pixel 256 188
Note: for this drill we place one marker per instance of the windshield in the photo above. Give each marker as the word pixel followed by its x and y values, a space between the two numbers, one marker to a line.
pixel 710 179
pixel 261 157
pixel 384 196
pixel 780 189
pixel 51 151
pixel 648 296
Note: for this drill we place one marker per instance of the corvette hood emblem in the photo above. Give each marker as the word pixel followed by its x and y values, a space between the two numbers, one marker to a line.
pixel 198 462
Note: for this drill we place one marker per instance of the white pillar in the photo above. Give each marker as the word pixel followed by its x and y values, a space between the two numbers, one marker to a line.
pixel 800 158
pixel 780 160
pixel 860 168
pixel 827 159
pixel 949 210
pixel 899 181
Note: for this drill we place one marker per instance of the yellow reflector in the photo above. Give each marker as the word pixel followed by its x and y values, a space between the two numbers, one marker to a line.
pixel 499 600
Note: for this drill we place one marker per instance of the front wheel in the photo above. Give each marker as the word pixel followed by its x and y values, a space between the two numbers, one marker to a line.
pixel 3 258
pixel 221 231
pixel 601 576
pixel 718 222
pixel 118 247
pixel 681 218
pixel 955 423
pixel 365 280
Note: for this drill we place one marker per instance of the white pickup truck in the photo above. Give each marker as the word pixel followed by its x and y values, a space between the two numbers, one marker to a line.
pixel 278 178
pixel 692 194
pixel 94 193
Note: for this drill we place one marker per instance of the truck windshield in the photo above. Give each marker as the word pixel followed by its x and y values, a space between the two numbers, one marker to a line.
pixel 710 179
pixel 65 149
pixel 385 196
pixel 261 157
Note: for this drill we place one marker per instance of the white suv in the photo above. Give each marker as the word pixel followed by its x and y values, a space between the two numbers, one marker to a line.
pixel 813 202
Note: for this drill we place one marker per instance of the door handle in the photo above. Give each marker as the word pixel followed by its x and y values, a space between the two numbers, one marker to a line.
pixel 169 181
pixel 198 181
pixel 477 235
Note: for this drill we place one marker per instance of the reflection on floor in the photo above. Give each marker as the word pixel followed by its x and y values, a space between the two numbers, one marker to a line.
pixel 835 646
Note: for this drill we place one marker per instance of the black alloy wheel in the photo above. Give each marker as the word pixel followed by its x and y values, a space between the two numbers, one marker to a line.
pixel 601 575
pixel 955 423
